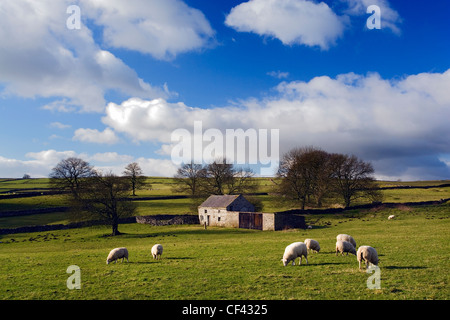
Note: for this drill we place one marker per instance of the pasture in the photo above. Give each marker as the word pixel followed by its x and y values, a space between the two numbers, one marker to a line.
pixel 222 263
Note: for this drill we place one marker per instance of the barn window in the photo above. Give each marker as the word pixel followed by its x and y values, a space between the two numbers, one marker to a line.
pixel 218 218
pixel 206 211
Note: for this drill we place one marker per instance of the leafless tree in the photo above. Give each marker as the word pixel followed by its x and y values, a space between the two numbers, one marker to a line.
pixel 222 177
pixel 299 169
pixel 354 178
pixel 242 182
pixel 69 174
pixel 105 196
pixel 218 177
pixel 93 195
pixel 309 173
pixel 189 178
pixel 135 176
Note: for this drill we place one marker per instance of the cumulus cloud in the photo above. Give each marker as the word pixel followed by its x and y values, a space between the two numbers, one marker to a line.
pixel 40 164
pixel 290 21
pixel 106 136
pixel 390 18
pixel 381 120
pixel 41 57
pixel 161 28
pixel 111 157
pixel 305 22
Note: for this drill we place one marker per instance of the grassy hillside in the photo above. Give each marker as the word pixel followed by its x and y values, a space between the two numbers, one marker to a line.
pixel 221 263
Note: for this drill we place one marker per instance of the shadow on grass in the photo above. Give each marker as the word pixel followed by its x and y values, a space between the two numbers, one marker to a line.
pixel 157 261
pixel 402 267
pixel 327 263
pixel 187 230
pixel 319 226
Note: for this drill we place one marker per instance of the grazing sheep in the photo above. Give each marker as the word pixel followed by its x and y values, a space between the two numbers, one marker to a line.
pixel 367 254
pixel 391 217
pixel 157 251
pixel 312 244
pixel 116 254
pixel 344 246
pixel 293 251
pixel 346 237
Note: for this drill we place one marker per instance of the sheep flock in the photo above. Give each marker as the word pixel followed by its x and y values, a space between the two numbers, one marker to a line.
pixel 344 244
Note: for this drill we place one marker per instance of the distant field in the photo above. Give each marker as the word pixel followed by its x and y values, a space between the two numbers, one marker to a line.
pixel 7 185
pixel 221 263
pixel 164 187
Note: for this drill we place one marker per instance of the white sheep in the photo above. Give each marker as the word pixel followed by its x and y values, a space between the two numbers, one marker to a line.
pixel 344 246
pixel 293 251
pixel 391 217
pixel 346 237
pixel 116 254
pixel 367 254
pixel 157 251
pixel 312 244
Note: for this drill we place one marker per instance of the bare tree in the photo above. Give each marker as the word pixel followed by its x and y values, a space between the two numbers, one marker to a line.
pixel 222 178
pixel 298 168
pixel 310 173
pixel 353 178
pixel 189 178
pixel 105 196
pixel 69 174
pixel 135 176
pixel 323 175
pixel 93 194
pixel 242 182
pixel 218 177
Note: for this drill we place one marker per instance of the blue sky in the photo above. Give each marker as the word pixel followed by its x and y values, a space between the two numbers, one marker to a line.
pixel 113 91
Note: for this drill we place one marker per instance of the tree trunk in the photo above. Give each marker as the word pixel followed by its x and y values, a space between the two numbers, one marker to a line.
pixel 115 227
pixel 347 202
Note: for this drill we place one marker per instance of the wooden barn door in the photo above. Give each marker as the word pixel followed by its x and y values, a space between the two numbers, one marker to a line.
pixel 250 220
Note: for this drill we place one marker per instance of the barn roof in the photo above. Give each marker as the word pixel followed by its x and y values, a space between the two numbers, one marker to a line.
pixel 219 201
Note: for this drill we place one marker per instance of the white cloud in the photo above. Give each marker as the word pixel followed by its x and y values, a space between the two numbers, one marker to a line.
pixel 278 74
pixel 41 57
pixel 157 167
pixel 111 157
pixel 390 19
pixel 306 22
pixel 60 125
pixel 290 21
pixel 106 136
pixel 161 28
pixel 372 117
pixel 40 164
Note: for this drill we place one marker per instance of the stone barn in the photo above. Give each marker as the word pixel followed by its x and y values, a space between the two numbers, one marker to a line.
pixel 235 211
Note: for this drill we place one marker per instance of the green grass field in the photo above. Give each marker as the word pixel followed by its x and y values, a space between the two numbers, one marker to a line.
pixel 238 264
pixel 220 263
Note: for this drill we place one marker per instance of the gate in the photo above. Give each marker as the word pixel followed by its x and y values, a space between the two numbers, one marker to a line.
pixel 250 220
